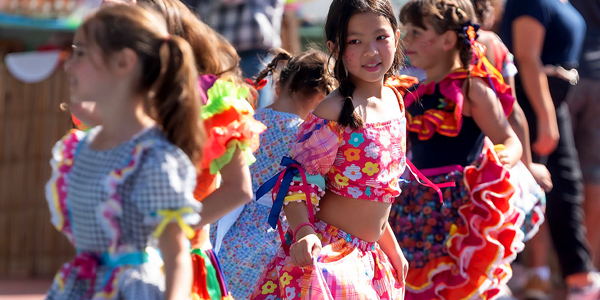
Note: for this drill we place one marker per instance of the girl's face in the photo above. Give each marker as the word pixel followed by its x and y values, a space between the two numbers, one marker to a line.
pixel 90 77
pixel 370 47
pixel 423 47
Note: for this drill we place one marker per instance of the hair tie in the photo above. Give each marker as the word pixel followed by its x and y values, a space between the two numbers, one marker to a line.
pixel 261 84
pixel 470 32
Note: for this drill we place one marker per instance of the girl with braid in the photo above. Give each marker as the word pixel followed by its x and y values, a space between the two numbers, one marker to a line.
pixel 243 240
pixel 459 241
pixel 342 176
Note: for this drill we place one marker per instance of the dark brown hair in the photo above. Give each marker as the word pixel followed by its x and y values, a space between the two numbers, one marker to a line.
pixel 213 53
pixel 308 72
pixel 168 69
pixel 443 16
pixel 336 31
pixel 481 8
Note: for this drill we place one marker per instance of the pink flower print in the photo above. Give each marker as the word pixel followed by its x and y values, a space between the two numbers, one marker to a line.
pixel 372 151
pixel 383 177
pixel 386 158
pixel 395 129
pixel 355 192
pixel 378 192
pixel 371 133
pixel 385 138
pixel 353 172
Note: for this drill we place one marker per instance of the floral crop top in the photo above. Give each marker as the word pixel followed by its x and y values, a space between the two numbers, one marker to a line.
pixel 363 163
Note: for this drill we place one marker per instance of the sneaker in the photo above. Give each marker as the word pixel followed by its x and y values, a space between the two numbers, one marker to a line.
pixel 589 292
pixel 537 289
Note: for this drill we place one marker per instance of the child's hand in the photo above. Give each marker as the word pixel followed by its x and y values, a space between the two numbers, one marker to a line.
pixel 504 157
pixel 303 250
pixel 400 264
pixel 541 175
pixel 503 154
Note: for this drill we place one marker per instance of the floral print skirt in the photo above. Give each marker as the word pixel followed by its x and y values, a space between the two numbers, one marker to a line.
pixel 347 268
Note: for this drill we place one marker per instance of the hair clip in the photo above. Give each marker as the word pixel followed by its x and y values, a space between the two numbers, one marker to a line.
pixel 261 84
pixel 470 32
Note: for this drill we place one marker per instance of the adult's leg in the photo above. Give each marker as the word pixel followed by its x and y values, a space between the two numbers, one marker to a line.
pixel 564 203
pixel 584 106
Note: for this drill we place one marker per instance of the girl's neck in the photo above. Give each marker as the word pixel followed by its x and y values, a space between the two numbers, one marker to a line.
pixel 366 90
pixel 120 124
pixel 285 103
pixel 440 70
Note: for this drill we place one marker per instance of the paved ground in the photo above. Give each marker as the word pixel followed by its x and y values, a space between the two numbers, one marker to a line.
pixel 30 289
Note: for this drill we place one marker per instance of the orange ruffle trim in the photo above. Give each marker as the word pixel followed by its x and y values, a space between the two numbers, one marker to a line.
pixel 449 122
pixel 481 250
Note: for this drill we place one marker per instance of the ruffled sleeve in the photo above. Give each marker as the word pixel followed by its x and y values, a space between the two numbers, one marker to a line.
pixel 229 122
pixel 163 189
pixel 63 154
pixel 316 146
pixel 315 149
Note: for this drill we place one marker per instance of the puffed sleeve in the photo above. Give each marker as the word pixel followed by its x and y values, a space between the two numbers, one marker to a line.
pixel 163 190
pixel 315 149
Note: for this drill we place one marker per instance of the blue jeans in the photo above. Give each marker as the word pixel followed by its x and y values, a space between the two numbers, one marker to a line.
pixel 251 63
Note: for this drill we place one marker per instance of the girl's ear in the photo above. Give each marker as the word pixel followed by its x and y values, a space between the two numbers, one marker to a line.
pixel 124 62
pixel 449 39
pixel 333 49
pixel 277 90
pixel 397 34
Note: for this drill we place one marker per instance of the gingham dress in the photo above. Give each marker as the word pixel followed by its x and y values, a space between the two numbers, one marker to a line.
pixel 250 243
pixel 163 179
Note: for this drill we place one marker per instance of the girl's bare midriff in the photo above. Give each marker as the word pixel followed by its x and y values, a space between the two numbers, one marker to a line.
pixel 363 219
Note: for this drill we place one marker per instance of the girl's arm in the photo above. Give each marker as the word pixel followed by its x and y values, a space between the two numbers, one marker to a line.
pixel 528 41
pixel 518 122
pixel 489 116
pixel 235 190
pixel 175 252
pixel 307 243
pixel 390 247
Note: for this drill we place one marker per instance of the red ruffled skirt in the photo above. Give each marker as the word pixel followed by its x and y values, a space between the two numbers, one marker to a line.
pixel 463 248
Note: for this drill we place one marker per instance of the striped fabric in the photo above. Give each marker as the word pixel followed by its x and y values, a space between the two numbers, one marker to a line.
pixel 317 145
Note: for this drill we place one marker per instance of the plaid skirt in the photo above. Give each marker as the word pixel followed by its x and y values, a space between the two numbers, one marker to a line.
pixel 347 268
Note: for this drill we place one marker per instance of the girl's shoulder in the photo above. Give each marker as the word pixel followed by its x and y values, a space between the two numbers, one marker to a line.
pixel 330 108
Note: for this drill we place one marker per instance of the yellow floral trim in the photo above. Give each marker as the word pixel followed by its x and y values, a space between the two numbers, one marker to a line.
pixel 341 180
pixel 285 280
pixel 301 197
pixel 370 168
pixel 170 215
pixel 268 287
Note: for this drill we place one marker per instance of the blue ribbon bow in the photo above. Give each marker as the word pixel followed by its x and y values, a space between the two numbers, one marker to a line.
pixel 289 173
